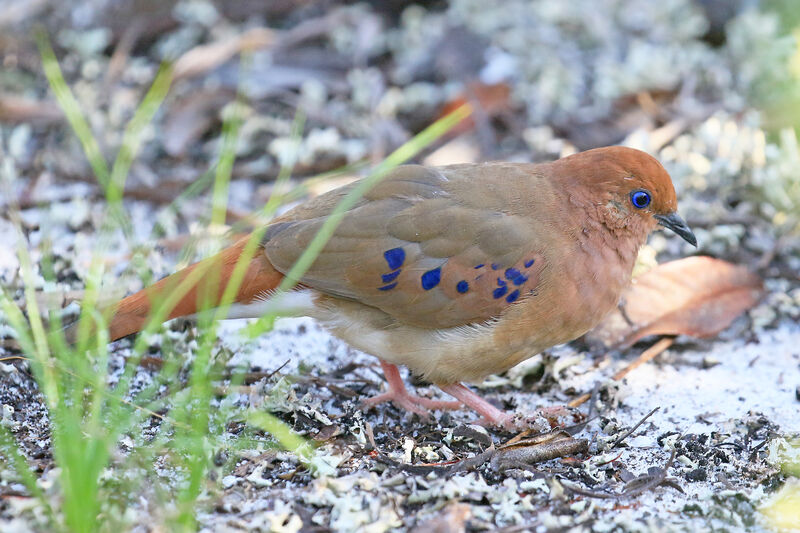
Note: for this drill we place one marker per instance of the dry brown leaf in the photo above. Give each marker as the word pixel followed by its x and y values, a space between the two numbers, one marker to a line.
pixel 537 449
pixel 204 58
pixel 493 100
pixel 695 296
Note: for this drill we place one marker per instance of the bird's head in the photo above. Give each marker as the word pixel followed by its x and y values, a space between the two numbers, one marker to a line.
pixel 630 188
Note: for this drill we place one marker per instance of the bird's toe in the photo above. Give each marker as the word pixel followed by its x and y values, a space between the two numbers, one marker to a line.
pixel 404 401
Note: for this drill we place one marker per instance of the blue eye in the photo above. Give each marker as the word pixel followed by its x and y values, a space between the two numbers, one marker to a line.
pixel 640 199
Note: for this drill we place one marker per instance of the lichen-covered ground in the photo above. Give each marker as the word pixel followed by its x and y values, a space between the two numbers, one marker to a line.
pixel 707 86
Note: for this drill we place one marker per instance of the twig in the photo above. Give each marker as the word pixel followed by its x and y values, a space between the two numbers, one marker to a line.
pixel 649 354
pixel 119 58
pixel 519 454
pixel 251 377
pixel 634 428
pixel 637 485
pixel 580 426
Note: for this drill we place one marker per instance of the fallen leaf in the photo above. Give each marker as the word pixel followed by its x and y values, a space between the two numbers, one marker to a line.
pixel 492 100
pixel 537 449
pixel 695 296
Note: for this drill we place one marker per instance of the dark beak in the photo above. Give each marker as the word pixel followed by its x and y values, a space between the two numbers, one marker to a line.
pixel 674 222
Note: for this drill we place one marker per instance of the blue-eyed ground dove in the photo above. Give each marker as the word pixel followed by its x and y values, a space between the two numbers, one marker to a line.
pixel 456 272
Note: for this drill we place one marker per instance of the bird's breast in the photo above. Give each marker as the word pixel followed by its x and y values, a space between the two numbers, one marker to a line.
pixel 582 282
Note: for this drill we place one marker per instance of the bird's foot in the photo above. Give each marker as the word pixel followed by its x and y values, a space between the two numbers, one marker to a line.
pixel 399 395
pixel 410 402
pixel 433 405
pixel 492 416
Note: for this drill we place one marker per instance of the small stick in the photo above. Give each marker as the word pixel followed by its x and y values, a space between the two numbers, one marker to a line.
pixel 634 428
pixel 649 354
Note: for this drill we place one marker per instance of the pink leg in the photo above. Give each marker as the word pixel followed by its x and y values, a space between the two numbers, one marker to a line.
pixel 491 415
pixel 398 394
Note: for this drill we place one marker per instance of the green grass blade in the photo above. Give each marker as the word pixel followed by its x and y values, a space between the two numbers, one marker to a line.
pixel 132 140
pixel 69 105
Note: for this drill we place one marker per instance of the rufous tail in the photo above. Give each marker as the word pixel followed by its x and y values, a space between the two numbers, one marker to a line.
pixel 205 290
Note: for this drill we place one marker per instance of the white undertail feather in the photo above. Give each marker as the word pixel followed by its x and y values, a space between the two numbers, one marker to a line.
pixel 292 303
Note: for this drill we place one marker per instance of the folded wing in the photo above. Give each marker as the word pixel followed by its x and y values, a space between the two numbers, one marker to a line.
pixel 412 249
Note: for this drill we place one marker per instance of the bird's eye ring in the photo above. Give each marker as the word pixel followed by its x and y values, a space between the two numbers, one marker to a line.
pixel 640 199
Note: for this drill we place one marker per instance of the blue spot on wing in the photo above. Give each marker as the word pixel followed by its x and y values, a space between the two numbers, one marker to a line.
pixel 390 277
pixel 478 266
pixel 501 282
pixel 499 292
pixel 462 286
pixel 495 266
pixel 517 277
pixel 388 287
pixel 529 263
pixel 395 257
pixel 513 296
pixel 431 278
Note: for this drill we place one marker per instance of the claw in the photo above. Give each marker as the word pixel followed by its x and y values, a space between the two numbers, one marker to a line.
pixel 492 416
pixel 399 395
pixel 404 401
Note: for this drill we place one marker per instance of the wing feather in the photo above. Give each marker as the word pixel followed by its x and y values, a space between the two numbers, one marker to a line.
pixel 413 250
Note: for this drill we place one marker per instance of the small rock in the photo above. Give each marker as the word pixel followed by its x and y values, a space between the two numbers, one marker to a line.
pixel 474 432
pixel 698 474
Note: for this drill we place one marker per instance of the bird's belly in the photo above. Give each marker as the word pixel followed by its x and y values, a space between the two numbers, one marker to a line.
pixel 442 356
